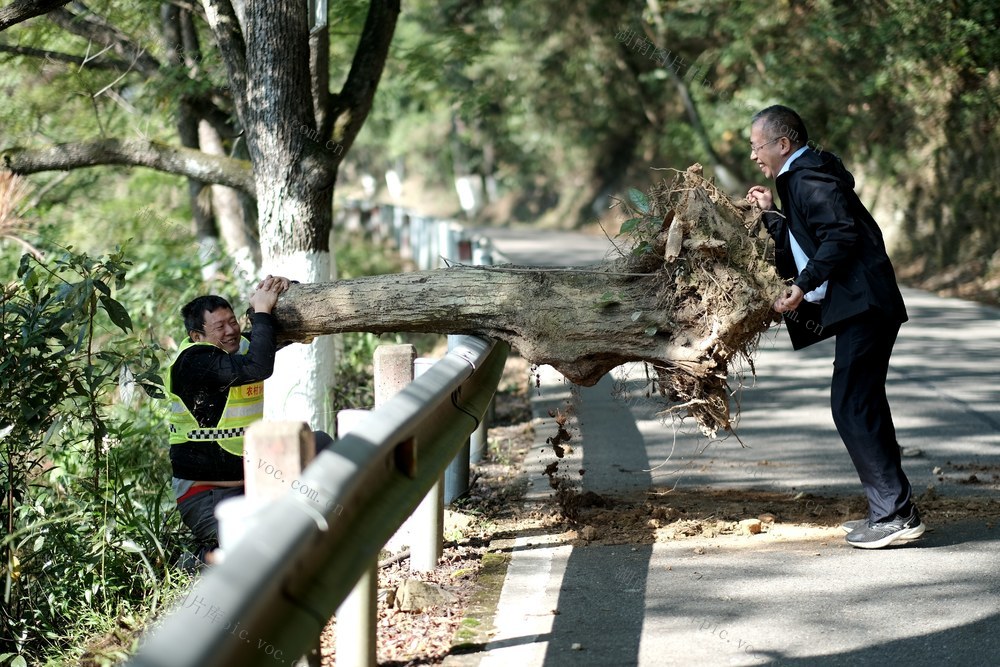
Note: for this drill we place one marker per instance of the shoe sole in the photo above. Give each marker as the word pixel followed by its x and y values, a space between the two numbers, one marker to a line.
pixel 849 529
pixel 902 536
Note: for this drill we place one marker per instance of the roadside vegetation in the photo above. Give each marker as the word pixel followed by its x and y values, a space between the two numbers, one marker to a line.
pixel 91 538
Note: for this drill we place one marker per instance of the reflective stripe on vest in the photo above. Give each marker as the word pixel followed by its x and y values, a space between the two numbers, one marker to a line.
pixel 244 406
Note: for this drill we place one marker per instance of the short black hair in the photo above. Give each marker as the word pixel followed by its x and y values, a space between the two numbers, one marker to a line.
pixel 782 121
pixel 194 312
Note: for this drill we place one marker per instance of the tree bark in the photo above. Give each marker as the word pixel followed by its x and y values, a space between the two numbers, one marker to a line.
pixel 133 152
pixel 295 160
pixel 319 67
pixel 22 10
pixel 552 316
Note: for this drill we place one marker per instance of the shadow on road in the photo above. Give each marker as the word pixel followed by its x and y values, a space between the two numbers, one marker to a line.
pixel 596 587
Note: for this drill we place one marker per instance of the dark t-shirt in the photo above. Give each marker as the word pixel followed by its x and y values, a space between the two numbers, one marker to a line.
pixel 201 377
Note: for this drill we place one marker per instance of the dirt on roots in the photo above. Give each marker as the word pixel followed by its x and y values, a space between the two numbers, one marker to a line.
pixel 715 284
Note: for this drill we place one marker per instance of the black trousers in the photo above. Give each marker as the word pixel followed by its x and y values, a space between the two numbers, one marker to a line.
pixel 198 512
pixel 861 411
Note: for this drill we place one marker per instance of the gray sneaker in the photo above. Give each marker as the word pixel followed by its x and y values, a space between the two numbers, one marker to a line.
pixel 854 524
pixel 883 533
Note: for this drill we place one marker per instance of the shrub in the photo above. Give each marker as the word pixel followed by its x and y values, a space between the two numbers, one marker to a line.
pixel 84 505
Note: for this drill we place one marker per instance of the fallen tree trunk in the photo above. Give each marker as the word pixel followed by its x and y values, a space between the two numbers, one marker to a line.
pixel 692 290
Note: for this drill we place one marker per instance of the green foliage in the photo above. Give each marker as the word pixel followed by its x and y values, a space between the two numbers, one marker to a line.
pixel 353 388
pixel 639 200
pixel 641 229
pixel 562 108
pixel 357 255
pixel 84 503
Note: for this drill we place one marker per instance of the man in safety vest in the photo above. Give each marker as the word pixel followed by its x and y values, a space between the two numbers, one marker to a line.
pixel 215 385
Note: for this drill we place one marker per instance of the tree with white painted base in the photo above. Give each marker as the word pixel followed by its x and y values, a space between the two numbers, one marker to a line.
pixel 296 131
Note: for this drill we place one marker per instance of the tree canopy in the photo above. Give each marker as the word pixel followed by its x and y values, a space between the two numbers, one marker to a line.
pixel 555 110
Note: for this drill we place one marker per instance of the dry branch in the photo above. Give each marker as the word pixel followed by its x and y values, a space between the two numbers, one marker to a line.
pixel 696 291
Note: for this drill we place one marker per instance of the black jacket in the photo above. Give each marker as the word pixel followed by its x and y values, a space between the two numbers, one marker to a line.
pixel 842 240
pixel 201 377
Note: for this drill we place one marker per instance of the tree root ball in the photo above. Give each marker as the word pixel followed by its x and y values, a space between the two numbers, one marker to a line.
pixel 715 283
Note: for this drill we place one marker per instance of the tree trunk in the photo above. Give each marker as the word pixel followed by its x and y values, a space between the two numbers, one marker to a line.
pixel 295 158
pixel 696 291
pixel 187 127
pixel 552 316
pixel 237 235
pixel 294 180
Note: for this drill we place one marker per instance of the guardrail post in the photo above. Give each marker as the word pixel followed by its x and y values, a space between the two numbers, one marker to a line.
pixel 447 242
pixel 357 615
pixel 478 440
pixel 481 254
pixel 393 370
pixel 404 240
pixel 456 475
pixel 274 456
pixel 423 531
pixel 426 525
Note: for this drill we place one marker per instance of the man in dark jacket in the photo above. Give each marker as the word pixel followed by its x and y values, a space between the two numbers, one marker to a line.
pixel 842 284
pixel 215 387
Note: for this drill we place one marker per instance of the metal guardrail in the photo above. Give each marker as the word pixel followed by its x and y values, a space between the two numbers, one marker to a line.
pixel 429 242
pixel 270 599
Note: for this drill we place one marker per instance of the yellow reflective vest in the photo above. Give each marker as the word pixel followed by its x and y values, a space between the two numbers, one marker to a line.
pixel 244 406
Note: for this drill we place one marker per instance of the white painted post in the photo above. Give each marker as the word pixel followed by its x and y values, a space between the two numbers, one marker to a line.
pixel 482 254
pixel 428 244
pixel 417 240
pixel 403 226
pixel 426 524
pixel 456 475
pixel 274 456
pixel 448 233
pixel 357 615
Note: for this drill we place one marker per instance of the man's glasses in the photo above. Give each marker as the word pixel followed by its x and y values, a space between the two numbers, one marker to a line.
pixel 756 149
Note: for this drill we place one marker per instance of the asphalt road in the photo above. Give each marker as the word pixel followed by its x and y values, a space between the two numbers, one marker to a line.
pixel 810 599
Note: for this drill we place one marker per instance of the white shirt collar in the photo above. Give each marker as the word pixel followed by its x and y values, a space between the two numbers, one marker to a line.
pixel 791 159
